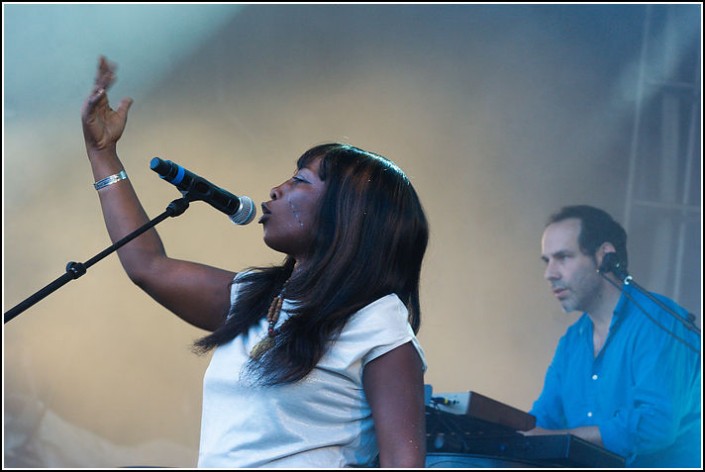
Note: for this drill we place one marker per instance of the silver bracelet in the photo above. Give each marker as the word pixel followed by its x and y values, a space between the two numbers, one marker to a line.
pixel 110 180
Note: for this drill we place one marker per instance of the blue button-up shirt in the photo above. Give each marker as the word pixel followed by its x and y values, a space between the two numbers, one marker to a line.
pixel 643 389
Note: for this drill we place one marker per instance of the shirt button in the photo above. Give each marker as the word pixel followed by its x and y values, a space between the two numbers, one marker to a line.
pixel 594 376
pixel 589 414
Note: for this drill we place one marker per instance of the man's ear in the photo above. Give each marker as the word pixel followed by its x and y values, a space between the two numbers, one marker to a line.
pixel 605 248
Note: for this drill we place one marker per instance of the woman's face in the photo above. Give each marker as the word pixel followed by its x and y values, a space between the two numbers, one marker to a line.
pixel 288 218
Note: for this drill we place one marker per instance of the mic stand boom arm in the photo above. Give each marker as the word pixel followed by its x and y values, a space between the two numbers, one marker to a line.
pixel 688 322
pixel 75 270
pixel 611 263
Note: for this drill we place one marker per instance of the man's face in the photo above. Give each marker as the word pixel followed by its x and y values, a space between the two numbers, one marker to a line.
pixel 571 274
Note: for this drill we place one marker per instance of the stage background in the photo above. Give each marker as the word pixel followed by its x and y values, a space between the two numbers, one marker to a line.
pixel 500 114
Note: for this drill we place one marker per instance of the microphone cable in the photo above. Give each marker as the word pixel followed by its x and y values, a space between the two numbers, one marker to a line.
pixel 628 280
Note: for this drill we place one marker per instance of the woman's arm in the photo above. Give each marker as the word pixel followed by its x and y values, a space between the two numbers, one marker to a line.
pixel 394 386
pixel 197 293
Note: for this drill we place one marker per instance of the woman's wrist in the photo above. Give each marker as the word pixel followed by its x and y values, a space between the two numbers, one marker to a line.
pixel 107 152
pixel 104 162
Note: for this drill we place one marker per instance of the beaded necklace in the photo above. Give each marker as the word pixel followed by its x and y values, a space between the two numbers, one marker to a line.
pixel 275 309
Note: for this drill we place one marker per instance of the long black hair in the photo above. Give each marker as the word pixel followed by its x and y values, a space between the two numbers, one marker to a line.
pixel 371 239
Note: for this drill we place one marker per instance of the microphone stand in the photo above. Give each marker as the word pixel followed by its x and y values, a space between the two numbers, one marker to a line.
pixel 623 276
pixel 75 270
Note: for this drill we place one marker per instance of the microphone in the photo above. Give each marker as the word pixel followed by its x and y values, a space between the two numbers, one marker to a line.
pixel 241 210
pixel 611 263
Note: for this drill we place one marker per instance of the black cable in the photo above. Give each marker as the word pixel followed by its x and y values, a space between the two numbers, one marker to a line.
pixel 687 324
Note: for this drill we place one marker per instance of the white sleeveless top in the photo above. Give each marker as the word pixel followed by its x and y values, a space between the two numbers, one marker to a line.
pixel 323 420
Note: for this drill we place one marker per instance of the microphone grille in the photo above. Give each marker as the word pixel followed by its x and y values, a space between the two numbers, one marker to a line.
pixel 246 213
